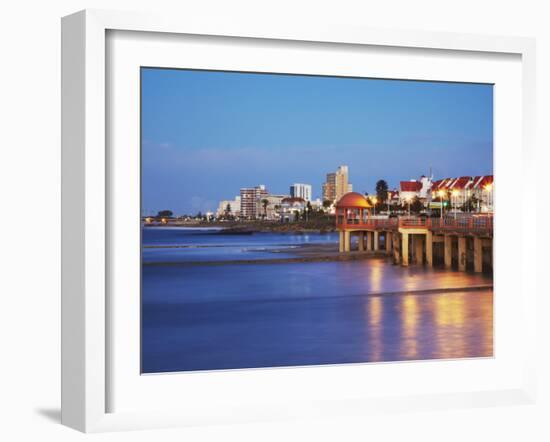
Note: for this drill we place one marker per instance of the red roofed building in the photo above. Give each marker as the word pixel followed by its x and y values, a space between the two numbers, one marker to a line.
pixel 393 197
pixel 408 190
pixel 483 188
pixel 410 186
pixel 455 193
pixel 458 191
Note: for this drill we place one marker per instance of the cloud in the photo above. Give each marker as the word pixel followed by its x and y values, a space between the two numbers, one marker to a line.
pixel 190 179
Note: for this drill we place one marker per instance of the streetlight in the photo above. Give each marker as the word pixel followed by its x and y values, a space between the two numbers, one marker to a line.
pixel 454 193
pixel 374 202
pixel 409 198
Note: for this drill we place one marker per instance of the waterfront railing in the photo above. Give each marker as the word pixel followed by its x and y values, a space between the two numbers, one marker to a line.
pixel 464 224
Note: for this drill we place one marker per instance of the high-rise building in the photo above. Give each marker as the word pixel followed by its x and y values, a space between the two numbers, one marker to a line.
pixel 337 184
pixel 251 201
pixel 342 185
pixel 298 190
pixel 329 188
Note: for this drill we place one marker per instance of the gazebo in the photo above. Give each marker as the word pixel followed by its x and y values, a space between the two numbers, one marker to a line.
pixel 353 210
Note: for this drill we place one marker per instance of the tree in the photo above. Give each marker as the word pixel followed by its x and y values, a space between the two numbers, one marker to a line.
pixel 199 215
pixel 382 191
pixel 327 204
pixel 416 205
pixel 265 203
pixel 165 214
pixel 227 212
pixel 470 205
pixel 309 209
pixel 277 209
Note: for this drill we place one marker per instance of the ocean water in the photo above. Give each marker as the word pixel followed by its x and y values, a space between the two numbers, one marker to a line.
pixel 179 244
pixel 197 316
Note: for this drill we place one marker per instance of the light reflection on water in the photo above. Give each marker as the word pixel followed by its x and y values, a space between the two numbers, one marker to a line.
pixel 409 320
pixel 266 315
pixel 284 326
pixel 375 311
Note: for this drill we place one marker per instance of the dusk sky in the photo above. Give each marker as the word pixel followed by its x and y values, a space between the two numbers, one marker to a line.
pixel 207 134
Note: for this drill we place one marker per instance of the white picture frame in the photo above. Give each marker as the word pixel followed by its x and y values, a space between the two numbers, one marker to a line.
pixel 85 201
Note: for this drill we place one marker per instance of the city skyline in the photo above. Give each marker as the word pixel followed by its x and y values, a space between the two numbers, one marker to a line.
pixel 206 135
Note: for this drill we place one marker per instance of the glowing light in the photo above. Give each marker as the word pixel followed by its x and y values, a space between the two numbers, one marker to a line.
pixel 376 278
pixel 410 318
pixel 375 311
pixel 450 311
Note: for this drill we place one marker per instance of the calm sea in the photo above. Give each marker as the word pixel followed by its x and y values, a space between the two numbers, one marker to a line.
pixel 197 316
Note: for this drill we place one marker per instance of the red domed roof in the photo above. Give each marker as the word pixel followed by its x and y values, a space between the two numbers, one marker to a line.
pixel 353 199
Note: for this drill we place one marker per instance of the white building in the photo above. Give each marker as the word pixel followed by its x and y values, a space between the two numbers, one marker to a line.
pixel 408 190
pixel 291 208
pixel 229 207
pixel 298 190
pixel 317 204
pixel 273 204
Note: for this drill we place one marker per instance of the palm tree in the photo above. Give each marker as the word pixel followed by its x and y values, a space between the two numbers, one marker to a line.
pixel 382 192
pixel 265 203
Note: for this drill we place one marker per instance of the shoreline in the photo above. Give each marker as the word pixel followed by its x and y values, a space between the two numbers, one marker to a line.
pixel 248 228
pixel 324 252
pixel 300 259
pixel 327 253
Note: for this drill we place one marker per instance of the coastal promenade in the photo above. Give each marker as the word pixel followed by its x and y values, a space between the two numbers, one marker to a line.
pixel 461 242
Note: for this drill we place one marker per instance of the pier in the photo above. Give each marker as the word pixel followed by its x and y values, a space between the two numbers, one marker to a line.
pixel 462 242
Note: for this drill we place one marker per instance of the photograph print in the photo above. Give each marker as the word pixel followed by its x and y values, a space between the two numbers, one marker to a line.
pixel 301 220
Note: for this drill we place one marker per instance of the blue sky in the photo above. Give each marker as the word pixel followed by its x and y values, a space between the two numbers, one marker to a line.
pixel 207 134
